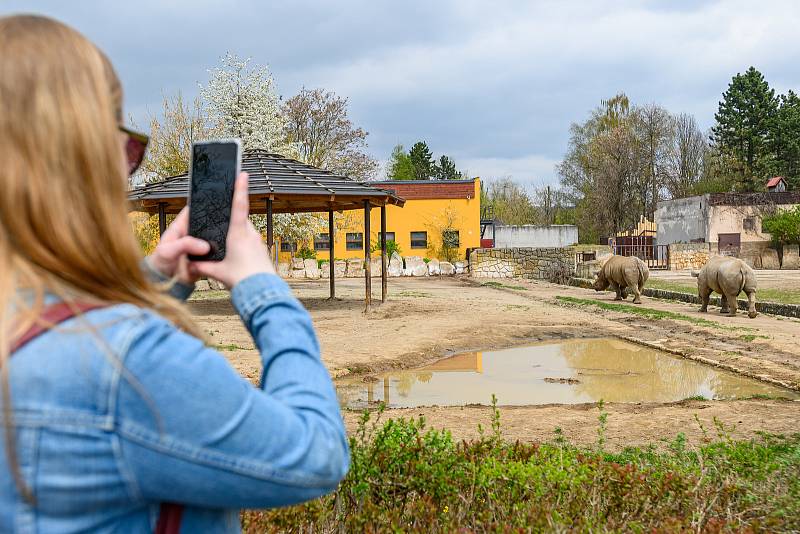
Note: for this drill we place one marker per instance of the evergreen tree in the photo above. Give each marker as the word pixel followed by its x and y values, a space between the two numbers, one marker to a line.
pixel 744 120
pixel 785 140
pixel 422 160
pixel 445 169
pixel 400 166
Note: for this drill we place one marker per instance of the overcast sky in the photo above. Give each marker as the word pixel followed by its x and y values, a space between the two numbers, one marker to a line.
pixel 495 85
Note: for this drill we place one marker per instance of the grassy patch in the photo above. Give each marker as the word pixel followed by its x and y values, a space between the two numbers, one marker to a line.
pixel 650 313
pixel 413 294
pixel 500 285
pixel 781 296
pixel 751 337
pixel 696 398
pixel 405 477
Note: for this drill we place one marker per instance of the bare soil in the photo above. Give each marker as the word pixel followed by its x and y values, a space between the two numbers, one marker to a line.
pixel 427 319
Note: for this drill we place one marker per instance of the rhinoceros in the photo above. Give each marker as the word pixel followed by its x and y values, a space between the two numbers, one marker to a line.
pixel 727 276
pixel 621 273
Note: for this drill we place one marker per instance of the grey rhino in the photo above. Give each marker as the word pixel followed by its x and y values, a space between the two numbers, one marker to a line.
pixel 621 273
pixel 727 276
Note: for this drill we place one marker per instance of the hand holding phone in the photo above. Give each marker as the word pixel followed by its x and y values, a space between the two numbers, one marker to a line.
pixel 213 171
pixel 246 252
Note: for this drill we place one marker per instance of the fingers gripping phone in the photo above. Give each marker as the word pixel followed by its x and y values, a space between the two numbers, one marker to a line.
pixel 212 175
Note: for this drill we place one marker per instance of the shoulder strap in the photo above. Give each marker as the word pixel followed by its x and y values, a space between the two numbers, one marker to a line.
pixel 169 517
pixel 51 316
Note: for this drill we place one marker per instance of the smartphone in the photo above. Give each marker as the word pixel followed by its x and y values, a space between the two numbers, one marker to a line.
pixel 212 174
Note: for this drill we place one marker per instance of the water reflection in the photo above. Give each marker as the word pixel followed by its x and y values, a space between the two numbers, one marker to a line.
pixel 565 372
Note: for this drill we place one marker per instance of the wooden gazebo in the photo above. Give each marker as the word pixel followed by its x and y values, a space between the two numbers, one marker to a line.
pixel 284 185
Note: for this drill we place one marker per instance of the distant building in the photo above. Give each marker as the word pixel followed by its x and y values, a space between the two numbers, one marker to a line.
pixel 730 222
pixel 415 228
pixel 776 185
pixel 530 235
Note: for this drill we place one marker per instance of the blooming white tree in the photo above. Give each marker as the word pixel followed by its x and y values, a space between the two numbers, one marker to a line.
pixel 242 101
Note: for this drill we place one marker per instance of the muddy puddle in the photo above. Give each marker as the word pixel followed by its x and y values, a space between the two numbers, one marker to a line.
pixel 563 372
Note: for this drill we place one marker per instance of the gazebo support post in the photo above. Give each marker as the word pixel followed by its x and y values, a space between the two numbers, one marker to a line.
pixel 162 218
pixel 384 260
pixel 270 236
pixel 331 231
pixel 367 259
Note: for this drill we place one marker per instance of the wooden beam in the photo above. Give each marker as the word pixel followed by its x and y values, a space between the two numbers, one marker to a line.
pixel 367 259
pixel 162 218
pixel 270 236
pixel 331 232
pixel 384 260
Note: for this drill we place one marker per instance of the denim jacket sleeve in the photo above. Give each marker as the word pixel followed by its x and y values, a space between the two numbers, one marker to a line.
pixel 192 430
pixel 177 289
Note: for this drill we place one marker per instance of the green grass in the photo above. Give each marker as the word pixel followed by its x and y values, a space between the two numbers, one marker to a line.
pixel 751 337
pixel 781 296
pixel 649 313
pixel 696 398
pixel 500 285
pixel 405 477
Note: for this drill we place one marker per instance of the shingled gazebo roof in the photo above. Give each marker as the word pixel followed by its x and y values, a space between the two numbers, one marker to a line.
pixel 293 187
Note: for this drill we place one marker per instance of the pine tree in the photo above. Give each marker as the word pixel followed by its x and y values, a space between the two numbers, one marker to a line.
pixel 785 140
pixel 445 169
pixel 744 119
pixel 422 160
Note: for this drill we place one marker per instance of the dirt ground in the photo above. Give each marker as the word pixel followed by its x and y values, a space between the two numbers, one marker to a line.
pixel 426 319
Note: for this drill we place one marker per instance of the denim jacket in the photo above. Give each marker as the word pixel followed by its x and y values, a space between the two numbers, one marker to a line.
pixel 118 410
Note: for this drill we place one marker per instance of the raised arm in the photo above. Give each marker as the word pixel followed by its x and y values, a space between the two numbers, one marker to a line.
pixel 193 431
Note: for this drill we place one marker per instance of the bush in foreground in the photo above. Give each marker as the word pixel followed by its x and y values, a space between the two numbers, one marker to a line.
pixel 407 478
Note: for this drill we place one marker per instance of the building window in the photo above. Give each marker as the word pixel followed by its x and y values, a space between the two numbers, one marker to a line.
pixel 419 239
pixel 288 246
pixel 450 238
pixel 355 241
pixel 322 242
pixel 749 224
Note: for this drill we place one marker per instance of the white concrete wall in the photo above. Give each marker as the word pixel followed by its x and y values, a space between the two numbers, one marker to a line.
pixel 557 235
pixel 682 220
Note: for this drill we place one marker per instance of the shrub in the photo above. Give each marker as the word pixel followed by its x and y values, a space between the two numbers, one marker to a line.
pixel 391 247
pixel 405 477
pixel 306 254
pixel 784 226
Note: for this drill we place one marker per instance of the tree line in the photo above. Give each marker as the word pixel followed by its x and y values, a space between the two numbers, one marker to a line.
pixel 418 164
pixel 625 158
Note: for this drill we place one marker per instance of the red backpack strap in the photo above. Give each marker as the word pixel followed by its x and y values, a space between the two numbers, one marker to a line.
pixel 169 518
pixel 51 316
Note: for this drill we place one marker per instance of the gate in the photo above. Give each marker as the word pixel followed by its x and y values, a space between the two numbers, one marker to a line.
pixel 729 244
pixel 656 257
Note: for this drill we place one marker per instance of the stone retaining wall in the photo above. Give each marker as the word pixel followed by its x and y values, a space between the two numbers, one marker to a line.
pixel 536 263
pixel 772 308
pixel 688 255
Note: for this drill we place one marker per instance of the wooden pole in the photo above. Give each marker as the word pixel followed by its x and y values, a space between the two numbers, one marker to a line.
pixel 162 218
pixel 331 232
pixel 270 236
pixel 367 259
pixel 384 260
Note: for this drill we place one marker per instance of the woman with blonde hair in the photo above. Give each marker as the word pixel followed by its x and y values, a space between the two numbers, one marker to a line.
pixel 112 405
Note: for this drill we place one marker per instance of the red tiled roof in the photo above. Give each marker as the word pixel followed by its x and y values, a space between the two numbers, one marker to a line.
pixel 429 189
pixel 774 181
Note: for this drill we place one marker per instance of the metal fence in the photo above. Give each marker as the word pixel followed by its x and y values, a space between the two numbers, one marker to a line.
pixel 655 256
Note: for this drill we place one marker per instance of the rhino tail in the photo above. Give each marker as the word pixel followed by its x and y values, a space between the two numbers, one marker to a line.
pixel 743 272
pixel 643 272
pixel 695 273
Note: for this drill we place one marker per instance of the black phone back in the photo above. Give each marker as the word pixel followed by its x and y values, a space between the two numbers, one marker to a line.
pixel 213 174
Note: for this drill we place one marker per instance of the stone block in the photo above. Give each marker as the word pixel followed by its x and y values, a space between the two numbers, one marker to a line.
pixel 325 270
pixel 375 267
pixel 791 257
pixel 433 267
pixel 298 273
pixel 339 268
pixel 298 263
pixel 283 269
pixel 460 267
pixel 419 270
pixel 413 261
pixel 769 259
pixel 446 268
pixel 201 285
pixel 311 268
pixel 355 268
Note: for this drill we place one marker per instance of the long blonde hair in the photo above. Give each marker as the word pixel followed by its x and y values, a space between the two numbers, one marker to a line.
pixel 64 228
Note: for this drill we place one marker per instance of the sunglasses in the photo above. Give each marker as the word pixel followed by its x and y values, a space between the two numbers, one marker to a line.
pixel 135 148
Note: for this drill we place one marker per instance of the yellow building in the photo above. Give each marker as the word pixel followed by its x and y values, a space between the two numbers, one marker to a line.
pixel 434 210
